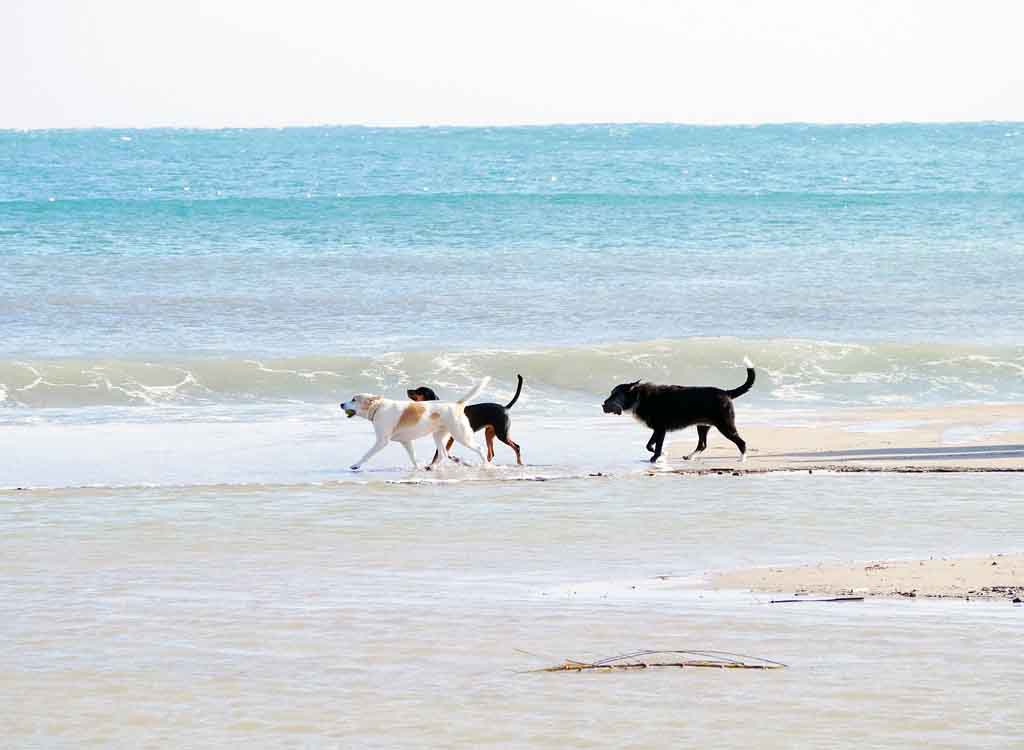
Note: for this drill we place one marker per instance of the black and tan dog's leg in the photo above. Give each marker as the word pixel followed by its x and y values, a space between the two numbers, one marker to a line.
pixel 489 438
pixel 455 459
pixel 502 434
pixel 702 441
pixel 514 446
pixel 659 439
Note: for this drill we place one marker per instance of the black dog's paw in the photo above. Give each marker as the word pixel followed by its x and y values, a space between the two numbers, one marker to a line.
pixel 655 457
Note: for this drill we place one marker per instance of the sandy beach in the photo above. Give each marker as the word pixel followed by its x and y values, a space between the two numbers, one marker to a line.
pixel 999 576
pixel 959 438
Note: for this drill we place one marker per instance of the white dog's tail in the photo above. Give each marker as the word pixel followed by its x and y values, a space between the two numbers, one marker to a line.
pixel 475 392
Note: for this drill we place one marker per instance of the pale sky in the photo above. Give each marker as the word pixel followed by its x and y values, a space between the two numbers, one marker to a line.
pixel 231 63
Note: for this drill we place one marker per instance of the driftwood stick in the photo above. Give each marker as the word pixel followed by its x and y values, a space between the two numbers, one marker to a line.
pixel 698 659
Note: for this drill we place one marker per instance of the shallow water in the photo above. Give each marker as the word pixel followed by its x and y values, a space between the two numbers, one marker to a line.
pixel 390 615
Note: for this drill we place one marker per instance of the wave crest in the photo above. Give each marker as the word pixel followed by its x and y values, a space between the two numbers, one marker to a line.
pixel 789 371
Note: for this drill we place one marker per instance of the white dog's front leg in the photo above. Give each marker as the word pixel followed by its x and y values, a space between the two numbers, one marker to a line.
pixel 380 445
pixel 411 450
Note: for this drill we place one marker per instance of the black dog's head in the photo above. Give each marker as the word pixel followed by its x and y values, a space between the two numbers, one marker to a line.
pixel 422 394
pixel 622 398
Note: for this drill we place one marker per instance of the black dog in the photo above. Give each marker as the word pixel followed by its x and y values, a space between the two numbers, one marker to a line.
pixel 664 408
pixel 492 418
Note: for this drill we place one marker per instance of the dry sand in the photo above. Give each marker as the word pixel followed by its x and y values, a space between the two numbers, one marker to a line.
pixel 987 437
pixel 991 577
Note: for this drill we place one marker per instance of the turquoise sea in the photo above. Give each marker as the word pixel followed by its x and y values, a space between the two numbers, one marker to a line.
pixel 167 242
pixel 156 266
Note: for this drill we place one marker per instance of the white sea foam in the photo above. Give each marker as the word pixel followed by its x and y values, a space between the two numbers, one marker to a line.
pixel 789 371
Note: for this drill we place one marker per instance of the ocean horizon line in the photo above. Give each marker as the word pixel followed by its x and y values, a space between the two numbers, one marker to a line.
pixel 738 125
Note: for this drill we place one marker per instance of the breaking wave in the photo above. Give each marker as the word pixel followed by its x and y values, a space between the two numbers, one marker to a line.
pixel 796 372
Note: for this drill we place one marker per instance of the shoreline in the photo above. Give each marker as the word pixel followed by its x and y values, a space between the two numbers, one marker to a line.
pixel 984 577
pixel 957 439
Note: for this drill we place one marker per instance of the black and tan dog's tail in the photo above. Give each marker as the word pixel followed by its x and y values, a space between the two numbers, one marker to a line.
pixel 737 392
pixel 519 389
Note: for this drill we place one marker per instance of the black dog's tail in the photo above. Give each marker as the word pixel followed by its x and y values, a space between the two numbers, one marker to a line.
pixel 519 389
pixel 737 392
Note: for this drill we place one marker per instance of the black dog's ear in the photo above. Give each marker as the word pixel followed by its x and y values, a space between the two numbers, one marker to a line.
pixel 634 384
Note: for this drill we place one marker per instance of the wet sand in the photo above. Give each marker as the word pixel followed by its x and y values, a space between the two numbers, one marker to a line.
pixel 960 438
pixel 987 577
pixel 988 438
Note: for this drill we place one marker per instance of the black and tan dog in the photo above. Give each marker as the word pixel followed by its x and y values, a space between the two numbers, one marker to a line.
pixel 493 419
pixel 665 408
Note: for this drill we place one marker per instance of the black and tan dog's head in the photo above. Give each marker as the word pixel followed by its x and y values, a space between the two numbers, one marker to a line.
pixel 422 394
pixel 622 398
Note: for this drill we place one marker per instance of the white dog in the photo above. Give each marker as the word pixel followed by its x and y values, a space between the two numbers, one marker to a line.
pixel 405 421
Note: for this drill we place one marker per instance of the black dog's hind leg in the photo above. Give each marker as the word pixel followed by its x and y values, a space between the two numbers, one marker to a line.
pixel 729 430
pixel 659 439
pixel 702 440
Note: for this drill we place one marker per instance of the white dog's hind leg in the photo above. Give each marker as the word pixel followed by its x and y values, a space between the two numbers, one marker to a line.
pixel 440 440
pixel 411 450
pixel 463 434
pixel 381 444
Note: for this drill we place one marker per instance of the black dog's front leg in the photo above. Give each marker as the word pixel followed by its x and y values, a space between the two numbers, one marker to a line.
pixel 658 438
pixel 652 441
